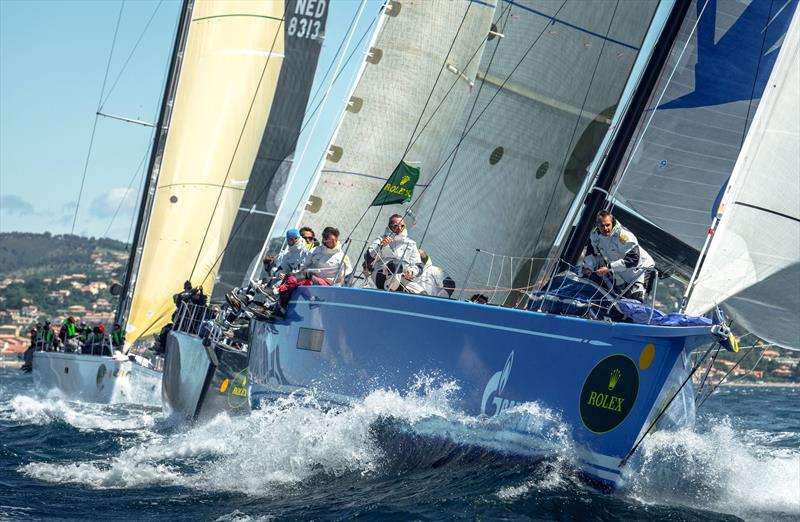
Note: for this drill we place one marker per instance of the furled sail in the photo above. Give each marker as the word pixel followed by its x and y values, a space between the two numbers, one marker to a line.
pixel 230 67
pixel 416 79
pixel 303 34
pixel 542 104
pixel 705 102
pixel 753 260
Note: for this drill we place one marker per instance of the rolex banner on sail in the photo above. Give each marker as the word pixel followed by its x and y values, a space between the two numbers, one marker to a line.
pixel 399 188
pixel 225 87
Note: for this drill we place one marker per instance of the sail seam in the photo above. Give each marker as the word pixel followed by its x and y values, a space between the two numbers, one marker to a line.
pixel 240 15
pixel 770 211
pixel 573 26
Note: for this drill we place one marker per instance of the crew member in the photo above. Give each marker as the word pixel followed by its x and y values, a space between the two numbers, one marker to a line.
pixel 613 249
pixel 432 279
pixel 68 334
pixel 292 257
pixel 117 337
pixel 47 337
pixel 326 265
pixel 393 258
pixel 309 237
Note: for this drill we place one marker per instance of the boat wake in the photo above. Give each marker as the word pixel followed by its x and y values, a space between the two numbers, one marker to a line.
pixel 41 411
pixel 295 440
pixel 750 474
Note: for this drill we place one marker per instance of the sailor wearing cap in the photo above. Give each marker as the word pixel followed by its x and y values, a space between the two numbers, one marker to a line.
pixel 292 257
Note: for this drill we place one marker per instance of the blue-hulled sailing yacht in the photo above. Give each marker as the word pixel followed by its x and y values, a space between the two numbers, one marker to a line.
pixel 504 109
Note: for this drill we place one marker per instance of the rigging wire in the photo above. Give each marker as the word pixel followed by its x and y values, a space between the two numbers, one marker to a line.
pixel 506 13
pixel 416 126
pixel 136 174
pixel 96 116
pixel 755 76
pixel 483 111
pixel 128 59
pixel 333 60
pixel 278 32
pixel 575 129
pixel 613 193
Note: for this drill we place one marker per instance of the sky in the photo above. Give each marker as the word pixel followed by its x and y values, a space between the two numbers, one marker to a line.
pixel 53 61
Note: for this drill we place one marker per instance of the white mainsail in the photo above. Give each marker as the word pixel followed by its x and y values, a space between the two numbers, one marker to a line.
pixel 225 88
pixel 543 102
pixel 753 261
pixel 406 73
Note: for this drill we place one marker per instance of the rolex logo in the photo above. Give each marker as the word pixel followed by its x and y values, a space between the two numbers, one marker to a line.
pixel 404 180
pixel 612 382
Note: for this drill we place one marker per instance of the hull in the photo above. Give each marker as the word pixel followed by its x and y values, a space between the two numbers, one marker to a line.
pixel 606 381
pixel 93 378
pixel 202 381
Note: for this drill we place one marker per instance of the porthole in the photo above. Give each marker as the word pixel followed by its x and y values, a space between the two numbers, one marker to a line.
pixel 542 170
pixel 497 155
pixel 173 199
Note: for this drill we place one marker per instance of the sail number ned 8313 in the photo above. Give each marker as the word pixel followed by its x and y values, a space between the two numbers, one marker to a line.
pixel 306 19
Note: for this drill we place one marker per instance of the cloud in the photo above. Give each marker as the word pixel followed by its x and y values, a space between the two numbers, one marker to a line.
pixel 105 205
pixel 15 205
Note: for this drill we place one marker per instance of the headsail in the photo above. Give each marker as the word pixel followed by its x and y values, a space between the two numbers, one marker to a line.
pixel 711 87
pixel 303 35
pixel 753 261
pixel 226 83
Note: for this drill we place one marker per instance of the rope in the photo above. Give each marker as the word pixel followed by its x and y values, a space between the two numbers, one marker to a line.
pixel 722 380
pixel 96 117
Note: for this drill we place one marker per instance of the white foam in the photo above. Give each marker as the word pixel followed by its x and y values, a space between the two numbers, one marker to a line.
pixel 83 416
pixel 721 469
pixel 286 442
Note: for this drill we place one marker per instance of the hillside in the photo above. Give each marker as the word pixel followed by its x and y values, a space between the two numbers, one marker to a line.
pixel 50 274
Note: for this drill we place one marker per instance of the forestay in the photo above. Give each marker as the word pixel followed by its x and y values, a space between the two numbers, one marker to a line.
pixel 753 261
pixel 231 62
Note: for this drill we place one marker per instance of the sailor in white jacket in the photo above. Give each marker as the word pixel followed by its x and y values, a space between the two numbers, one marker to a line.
pixel 328 261
pixel 433 280
pixel 293 256
pixel 392 255
pixel 613 248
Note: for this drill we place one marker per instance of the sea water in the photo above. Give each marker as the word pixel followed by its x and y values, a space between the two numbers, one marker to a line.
pixel 377 460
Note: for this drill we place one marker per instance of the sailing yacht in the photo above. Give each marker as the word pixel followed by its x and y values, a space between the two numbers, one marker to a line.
pixel 514 114
pixel 239 80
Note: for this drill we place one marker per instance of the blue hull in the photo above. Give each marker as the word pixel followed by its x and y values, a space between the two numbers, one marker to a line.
pixel 607 381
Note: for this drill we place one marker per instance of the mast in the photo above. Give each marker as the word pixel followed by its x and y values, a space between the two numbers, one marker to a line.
pixel 597 198
pixel 153 169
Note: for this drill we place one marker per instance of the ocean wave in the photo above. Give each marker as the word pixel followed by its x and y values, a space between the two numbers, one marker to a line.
pixel 295 439
pixel 722 469
pixel 82 416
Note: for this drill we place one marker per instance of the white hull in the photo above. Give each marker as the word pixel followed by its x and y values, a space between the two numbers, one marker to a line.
pixel 93 378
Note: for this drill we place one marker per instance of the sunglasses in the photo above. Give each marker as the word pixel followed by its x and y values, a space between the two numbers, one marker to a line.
pixel 396 225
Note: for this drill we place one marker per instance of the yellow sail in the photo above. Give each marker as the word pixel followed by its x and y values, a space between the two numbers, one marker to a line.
pixel 231 63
